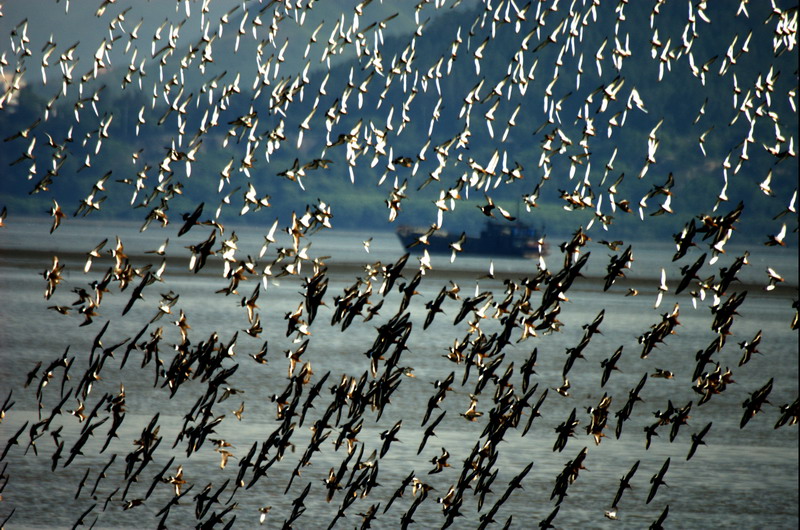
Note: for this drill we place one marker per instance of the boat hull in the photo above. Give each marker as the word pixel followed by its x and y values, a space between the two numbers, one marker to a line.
pixel 495 240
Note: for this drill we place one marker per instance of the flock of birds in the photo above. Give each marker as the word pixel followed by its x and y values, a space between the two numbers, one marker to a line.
pixel 191 107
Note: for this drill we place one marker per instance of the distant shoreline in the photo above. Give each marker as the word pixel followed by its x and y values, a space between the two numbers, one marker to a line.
pixel 178 266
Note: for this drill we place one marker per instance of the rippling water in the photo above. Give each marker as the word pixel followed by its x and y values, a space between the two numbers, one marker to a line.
pixel 742 478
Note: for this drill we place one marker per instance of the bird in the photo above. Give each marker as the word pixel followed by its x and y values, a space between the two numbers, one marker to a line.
pixel 457 246
pixel 753 404
pixel 789 414
pixel 749 348
pixel 565 430
pixel 55 212
pixel 774 279
pixel 697 440
pixel 263 511
pixel 400 490
pixel 777 239
pixel 610 365
pixel 489 208
pixel 547 522
pixel 612 245
pixel 657 480
pixel 190 219
pixel 663 374
pixel 440 462
pixel 429 431
pixel 534 413
pixel 472 413
pixel 94 253
pixel 564 388
pixel 389 436
pixel 625 483
pixel 658 523
pixel 12 441
pixel 662 288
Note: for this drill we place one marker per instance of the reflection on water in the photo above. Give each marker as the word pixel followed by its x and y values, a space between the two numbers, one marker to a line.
pixel 718 484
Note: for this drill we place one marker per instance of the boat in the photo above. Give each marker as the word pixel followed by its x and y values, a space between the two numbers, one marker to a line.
pixel 496 239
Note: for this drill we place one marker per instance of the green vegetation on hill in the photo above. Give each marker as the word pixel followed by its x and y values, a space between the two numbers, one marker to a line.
pixel 677 100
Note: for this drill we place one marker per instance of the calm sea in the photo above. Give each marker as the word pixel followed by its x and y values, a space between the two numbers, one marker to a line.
pixel 741 478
